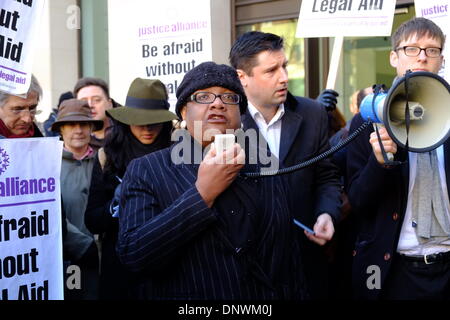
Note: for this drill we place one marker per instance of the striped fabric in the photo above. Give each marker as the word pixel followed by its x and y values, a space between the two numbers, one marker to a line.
pixel 179 246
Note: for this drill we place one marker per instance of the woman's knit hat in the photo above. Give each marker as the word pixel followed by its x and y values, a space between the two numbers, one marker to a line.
pixel 206 75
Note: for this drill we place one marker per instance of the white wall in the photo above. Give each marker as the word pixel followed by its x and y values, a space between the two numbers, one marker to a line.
pixel 57 59
pixel 56 62
pixel 221 30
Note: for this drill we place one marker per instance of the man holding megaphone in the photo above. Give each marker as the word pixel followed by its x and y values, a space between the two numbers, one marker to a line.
pixel 403 248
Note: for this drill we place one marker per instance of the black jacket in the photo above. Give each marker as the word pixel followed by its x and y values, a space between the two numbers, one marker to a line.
pixel 313 190
pixel 378 196
pixel 116 282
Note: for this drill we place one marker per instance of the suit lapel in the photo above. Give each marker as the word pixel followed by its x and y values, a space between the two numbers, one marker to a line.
pixel 405 168
pixel 290 124
pixel 261 144
pixel 248 122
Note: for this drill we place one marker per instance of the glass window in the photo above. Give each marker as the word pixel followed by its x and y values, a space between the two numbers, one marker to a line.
pixel 294 48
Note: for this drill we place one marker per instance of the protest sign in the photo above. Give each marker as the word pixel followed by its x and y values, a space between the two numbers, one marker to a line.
pixel 19 24
pixel 349 18
pixel 437 11
pixel 162 42
pixel 31 263
pixel 339 18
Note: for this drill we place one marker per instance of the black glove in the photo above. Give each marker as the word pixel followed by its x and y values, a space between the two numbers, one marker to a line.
pixel 328 99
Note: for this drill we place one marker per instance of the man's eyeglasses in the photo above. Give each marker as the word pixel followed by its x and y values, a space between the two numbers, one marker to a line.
pixel 19 110
pixel 209 97
pixel 412 51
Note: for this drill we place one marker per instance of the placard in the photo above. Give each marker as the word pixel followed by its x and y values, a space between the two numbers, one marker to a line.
pixel 156 42
pixel 349 18
pixel 437 11
pixel 19 24
pixel 31 262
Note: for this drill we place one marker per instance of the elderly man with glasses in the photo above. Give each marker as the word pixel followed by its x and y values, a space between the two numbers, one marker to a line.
pixel 17 114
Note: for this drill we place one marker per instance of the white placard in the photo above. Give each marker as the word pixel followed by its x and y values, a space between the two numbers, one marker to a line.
pixel 20 24
pixel 156 41
pixel 437 11
pixel 350 18
pixel 31 262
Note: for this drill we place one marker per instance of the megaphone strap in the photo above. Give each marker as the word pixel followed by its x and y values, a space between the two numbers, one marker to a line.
pixel 377 89
pixel 387 162
pixel 407 114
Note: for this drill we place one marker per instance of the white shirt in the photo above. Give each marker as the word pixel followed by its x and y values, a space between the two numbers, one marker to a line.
pixel 408 243
pixel 271 131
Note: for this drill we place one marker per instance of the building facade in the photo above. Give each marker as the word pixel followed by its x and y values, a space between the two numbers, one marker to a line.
pixel 75 42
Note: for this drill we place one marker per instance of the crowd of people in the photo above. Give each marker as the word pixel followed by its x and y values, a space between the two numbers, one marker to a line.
pixel 146 218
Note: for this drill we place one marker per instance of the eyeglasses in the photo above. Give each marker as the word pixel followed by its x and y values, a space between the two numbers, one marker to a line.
pixel 411 51
pixel 209 97
pixel 19 110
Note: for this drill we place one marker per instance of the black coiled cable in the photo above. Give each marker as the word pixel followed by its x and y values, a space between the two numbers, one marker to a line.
pixel 311 161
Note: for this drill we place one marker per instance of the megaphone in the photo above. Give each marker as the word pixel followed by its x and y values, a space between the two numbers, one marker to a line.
pixel 428 97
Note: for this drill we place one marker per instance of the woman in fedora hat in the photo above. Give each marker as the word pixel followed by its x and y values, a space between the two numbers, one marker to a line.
pixel 140 127
pixel 75 124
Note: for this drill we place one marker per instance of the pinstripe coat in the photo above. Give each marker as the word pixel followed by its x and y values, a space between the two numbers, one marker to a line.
pixel 182 249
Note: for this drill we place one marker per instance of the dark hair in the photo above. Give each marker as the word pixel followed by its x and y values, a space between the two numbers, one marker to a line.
pixel 88 81
pixel 336 122
pixel 249 45
pixel 420 26
pixel 64 96
pixel 121 146
pixel 360 96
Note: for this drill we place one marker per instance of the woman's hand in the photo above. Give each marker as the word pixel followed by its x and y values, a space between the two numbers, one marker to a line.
pixel 218 171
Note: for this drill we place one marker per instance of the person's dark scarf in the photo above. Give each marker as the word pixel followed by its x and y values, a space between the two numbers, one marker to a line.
pixel 4 131
pixel 121 147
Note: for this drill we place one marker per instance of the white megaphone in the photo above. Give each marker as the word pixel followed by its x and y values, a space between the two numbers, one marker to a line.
pixel 428 97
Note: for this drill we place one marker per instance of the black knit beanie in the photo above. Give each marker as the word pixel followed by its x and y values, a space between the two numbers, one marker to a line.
pixel 209 74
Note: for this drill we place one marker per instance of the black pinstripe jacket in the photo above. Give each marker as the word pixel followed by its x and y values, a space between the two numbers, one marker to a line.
pixel 182 249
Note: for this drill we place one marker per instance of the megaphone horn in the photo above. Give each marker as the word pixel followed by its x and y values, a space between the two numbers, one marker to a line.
pixel 397 112
pixel 426 101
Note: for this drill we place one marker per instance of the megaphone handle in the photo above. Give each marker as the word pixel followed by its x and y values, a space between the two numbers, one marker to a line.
pixel 389 155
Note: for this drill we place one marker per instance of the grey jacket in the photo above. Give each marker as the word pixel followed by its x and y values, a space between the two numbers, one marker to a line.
pixel 75 183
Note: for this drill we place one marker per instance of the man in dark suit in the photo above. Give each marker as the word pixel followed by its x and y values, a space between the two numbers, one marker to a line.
pixel 295 129
pixel 396 255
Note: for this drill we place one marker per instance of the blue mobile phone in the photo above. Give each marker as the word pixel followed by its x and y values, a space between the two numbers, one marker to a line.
pixel 301 225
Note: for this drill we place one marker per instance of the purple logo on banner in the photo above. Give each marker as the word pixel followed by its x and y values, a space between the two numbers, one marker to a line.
pixel 4 161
